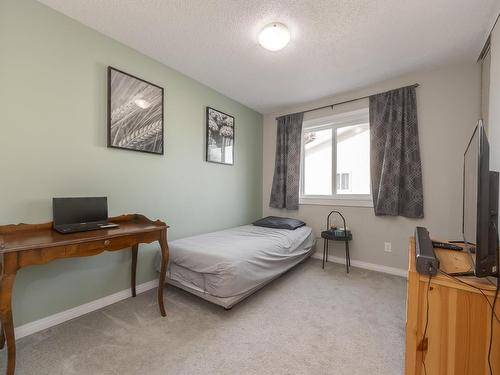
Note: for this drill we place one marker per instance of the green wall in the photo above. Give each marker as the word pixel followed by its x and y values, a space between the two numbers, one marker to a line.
pixel 53 143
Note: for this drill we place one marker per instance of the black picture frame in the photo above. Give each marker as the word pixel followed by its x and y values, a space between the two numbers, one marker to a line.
pixel 210 138
pixel 133 126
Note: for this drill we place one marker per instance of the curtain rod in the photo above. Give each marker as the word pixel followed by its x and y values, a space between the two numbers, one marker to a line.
pixel 344 102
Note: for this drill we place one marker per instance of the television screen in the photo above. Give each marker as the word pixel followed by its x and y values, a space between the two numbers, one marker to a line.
pixel 471 185
pixel 480 204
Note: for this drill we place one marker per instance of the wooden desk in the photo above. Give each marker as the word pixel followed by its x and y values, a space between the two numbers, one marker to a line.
pixel 459 320
pixel 25 245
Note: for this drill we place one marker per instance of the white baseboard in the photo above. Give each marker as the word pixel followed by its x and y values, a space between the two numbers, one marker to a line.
pixel 63 316
pixel 368 266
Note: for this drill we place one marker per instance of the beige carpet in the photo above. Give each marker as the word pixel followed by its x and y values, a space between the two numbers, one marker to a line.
pixel 308 321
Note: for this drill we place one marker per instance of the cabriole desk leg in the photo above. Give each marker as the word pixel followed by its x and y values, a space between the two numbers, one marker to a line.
pixel 163 270
pixel 6 283
pixel 135 249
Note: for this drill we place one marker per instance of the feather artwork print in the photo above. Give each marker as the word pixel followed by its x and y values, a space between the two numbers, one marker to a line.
pixel 135 119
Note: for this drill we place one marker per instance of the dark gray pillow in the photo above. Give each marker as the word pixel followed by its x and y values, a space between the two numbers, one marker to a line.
pixel 279 223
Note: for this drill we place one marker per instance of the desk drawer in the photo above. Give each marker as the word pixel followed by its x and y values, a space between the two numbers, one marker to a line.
pixel 45 255
pixel 95 247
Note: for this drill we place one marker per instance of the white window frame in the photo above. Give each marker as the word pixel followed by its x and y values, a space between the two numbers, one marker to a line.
pixel 333 122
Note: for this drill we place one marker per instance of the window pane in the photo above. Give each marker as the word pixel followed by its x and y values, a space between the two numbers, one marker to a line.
pixel 353 159
pixel 318 162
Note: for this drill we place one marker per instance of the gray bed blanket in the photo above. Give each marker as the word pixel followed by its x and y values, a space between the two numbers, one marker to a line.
pixel 233 261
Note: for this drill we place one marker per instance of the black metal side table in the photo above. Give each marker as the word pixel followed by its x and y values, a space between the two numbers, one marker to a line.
pixel 330 235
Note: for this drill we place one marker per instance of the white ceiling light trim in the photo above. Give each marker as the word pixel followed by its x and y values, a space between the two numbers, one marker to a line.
pixel 274 36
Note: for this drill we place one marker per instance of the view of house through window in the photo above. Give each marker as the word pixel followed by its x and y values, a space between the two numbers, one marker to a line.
pixel 343 180
pixel 336 159
pixel 353 159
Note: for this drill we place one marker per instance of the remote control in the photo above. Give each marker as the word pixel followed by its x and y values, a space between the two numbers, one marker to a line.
pixel 446 245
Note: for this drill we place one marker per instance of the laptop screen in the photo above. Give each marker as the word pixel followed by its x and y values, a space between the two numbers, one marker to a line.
pixel 79 210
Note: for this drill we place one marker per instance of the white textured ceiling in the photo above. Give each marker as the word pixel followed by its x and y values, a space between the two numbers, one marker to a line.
pixel 337 45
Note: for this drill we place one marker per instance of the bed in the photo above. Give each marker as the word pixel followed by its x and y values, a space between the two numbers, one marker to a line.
pixel 226 266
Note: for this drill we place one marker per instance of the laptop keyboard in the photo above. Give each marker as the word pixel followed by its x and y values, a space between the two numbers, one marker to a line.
pixel 79 227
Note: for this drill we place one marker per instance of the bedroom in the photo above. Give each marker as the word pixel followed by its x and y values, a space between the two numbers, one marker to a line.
pixel 74 315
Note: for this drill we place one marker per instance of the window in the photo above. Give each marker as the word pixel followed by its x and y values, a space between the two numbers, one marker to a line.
pixel 335 164
pixel 343 182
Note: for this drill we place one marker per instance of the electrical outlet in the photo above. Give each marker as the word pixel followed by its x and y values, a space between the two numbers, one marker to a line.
pixel 388 247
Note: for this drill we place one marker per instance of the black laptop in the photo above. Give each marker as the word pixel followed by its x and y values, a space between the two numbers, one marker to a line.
pixel 80 214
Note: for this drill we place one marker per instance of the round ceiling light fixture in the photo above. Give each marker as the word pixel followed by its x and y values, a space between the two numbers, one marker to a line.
pixel 274 36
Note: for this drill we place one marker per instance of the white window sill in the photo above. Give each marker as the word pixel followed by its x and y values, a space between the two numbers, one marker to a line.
pixel 346 202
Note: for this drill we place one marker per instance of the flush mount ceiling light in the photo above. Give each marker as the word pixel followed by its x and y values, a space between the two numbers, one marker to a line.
pixel 274 36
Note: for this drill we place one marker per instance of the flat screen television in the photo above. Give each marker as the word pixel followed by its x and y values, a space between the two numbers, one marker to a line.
pixel 480 205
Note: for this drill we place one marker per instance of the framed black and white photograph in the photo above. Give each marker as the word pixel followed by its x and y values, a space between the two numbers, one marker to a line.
pixel 135 113
pixel 220 137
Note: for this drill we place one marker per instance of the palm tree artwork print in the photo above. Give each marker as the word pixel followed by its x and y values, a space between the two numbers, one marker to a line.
pixel 135 113
pixel 220 137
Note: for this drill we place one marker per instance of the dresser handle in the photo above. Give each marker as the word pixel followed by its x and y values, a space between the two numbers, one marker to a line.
pixel 106 243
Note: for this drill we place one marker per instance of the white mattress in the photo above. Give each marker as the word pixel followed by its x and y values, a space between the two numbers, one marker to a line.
pixel 226 266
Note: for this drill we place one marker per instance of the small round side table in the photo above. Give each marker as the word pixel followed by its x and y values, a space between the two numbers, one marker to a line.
pixel 330 235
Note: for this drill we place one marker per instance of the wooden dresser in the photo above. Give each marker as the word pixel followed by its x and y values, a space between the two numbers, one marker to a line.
pixel 458 320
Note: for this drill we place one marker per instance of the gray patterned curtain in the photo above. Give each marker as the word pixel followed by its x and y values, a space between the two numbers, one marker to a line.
pixel 286 180
pixel 396 170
